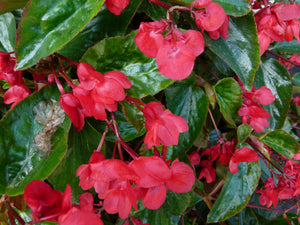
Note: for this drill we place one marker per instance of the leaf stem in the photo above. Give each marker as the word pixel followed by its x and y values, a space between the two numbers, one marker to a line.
pixel 265 208
pixel 67 79
pixel 284 59
pixel 67 59
pixel 205 67
pixel 214 123
pixel 160 3
pixel 14 213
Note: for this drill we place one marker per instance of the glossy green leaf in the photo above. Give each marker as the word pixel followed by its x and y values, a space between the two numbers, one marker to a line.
pixel 292 47
pixel 169 213
pixel 235 7
pixel 231 7
pixel 241 49
pixel 246 217
pixel 229 98
pixel 156 12
pixel 243 132
pixel 190 102
pixel 46 26
pixel 281 142
pixel 80 147
pixel 134 116
pixel 274 76
pixel 10 5
pixel 236 192
pixel 105 24
pixel 8 32
pixel 121 53
pixel 21 158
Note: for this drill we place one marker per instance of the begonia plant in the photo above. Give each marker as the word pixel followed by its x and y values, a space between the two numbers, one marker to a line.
pixel 154 112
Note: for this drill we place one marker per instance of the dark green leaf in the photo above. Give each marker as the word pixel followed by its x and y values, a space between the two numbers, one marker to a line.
pixel 246 217
pixel 235 7
pixel 22 144
pixel 48 25
pixel 10 5
pixel 134 116
pixel 121 53
pixel 243 132
pixel 169 213
pixel 8 32
pixel 241 49
pixel 156 12
pixel 274 76
pixel 293 220
pixel 105 24
pixel 296 79
pixel 229 98
pixel 292 47
pixel 80 147
pixel 236 192
pixel 190 102
pixel 281 142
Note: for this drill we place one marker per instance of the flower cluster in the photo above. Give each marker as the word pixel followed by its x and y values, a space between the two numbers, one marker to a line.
pixel 277 23
pixel 175 52
pixel 226 155
pixel 252 112
pixel 113 179
pixel 96 93
pixel 18 90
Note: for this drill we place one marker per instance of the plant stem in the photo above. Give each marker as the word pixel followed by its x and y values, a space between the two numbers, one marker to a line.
pixel 14 213
pixel 214 123
pixel 67 79
pixel 205 67
pixel 66 59
pixel 217 187
pixel 284 59
pixel 131 99
pixel 265 208
pixel 102 139
pixel 59 85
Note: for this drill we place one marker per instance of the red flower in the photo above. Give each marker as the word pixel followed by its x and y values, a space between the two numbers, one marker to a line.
pixel 208 172
pixel 149 37
pixel 81 215
pixel 156 177
pixel 46 202
pixel 163 127
pixel 97 92
pixel 210 19
pixel 268 196
pixel 15 94
pixel 116 6
pixel 242 155
pixel 194 158
pixel 73 108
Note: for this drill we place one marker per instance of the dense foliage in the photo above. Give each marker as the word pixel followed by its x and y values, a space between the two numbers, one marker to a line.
pixel 158 112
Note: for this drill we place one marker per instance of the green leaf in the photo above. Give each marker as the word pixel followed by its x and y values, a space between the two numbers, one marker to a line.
pixel 296 79
pixel 10 5
pixel 246 217
pixel 229 97
pixel 281 142
pixel 134 116
pixel 274 76
pixel 169 213
pixel 243 132
pixel 190 102
pixel 46 26
pixel 236 192
pixel 156 12
pixel 292 47
pixel 280 220
pixel 240 50
pixel 235 7
pixel 80 147
pixel 121 53
pixel 25 154
pixel 8 32
pixel 105 24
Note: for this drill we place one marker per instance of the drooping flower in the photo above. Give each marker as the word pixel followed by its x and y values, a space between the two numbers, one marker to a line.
pixel 73 108
pixel 208 172
pixel 269 195
pixel 116 6
pixel 45 201
pixel 163 127
pixel 15 94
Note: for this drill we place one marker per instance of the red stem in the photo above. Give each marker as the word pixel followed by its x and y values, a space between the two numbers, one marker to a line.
pixel 131 99
pixel 162 4
pixel 11 218
pixel 205 67
pixel 67 59
pixel 156 152
pixel 262 207
pixel 284 59
pixel 214 123
pixel 14 213
pixel 59 85
pixel 102 139
pixel 164 152
pixel 67 79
